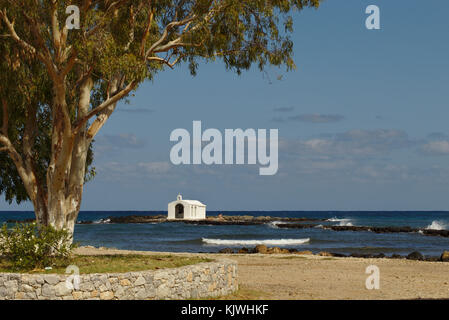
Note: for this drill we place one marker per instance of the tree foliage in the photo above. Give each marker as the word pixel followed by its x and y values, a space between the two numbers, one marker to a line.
pixel 59 87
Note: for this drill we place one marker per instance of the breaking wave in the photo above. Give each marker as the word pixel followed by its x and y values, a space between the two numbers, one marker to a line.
pixel 279 242
pixel 274 224
pixel 341 221
pixel 437 225
pixel 101 221
pixel 335 219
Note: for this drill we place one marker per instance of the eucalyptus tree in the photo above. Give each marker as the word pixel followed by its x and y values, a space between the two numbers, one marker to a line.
pixel 59 85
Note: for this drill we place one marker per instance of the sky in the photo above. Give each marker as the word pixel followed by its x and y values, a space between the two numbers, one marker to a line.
pixel 363 121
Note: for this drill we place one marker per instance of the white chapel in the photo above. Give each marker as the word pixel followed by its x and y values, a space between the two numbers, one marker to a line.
pixel 186 209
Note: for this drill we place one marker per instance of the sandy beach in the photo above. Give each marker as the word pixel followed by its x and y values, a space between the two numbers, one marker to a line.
pixel 287 276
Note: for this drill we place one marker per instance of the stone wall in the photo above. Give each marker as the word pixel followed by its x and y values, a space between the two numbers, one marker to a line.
pixel 201 280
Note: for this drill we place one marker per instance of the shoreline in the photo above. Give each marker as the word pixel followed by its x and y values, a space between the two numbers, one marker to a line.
pixel 414 255
pixel 292 252
pixel 286 276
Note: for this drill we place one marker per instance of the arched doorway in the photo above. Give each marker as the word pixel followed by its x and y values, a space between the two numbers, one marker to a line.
pixel 179 211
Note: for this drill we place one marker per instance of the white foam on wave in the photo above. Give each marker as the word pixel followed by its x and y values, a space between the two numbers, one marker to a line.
pixel 344 222
pixel 274 224
pixel 347 223
pixel 101 221
pixel 279 242
pixel 335 219
pixel 437 225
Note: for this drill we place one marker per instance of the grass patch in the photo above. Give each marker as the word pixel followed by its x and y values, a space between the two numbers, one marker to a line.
pixel 114 263
pixel 292 257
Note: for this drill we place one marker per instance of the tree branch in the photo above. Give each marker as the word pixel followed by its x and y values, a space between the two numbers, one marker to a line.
pixel 147 29
pixel 28 178
pixel 166 61
pixel 115 98
pixel 55 30
pixel 158 46
pixel 104 115
pixel 13 34
pixel 29 136
pixel 5 117
pixel 45 55
pixel 167 28
pixel 70 63
pixel 95 28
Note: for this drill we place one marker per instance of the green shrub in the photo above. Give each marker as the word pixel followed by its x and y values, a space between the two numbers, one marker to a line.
pixel 27 246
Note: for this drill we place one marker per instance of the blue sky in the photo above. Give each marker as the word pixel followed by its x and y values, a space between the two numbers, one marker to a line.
pixel 363 121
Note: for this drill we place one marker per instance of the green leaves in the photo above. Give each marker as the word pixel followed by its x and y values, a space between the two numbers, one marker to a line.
pixel 120 44
pixel 10 183
pixel 27 247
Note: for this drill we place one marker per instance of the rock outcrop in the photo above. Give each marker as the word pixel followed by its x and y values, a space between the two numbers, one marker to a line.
pixel 261 249
pixel 405 229
pixel 445 256
pixel 415 255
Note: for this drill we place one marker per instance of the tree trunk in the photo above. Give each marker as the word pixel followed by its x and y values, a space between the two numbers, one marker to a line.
pixel 65 175
pixel 61 212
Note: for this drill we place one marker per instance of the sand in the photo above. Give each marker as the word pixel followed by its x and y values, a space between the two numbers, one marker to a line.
pixel 288 276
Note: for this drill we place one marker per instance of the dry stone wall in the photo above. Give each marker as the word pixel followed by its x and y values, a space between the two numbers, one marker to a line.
pixel 208 279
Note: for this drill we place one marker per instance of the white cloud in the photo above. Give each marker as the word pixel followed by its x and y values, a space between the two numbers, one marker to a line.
pixel 350 143
pixel 357 155
pixel 132 171
pixel 154 167
pixel 436 147
pixel 108 143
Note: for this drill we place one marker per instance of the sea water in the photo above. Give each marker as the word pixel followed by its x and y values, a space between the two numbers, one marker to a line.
pixel 181 237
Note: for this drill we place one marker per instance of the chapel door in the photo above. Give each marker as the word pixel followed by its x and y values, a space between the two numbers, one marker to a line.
pixel 179 211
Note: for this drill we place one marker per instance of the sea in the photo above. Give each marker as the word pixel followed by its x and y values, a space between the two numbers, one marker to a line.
pixel 181 237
